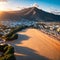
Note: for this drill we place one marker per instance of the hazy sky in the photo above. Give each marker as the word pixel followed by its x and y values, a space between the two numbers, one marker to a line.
pixel 47 5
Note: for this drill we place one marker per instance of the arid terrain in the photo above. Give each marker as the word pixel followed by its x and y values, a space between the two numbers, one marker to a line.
pixel 29 29
pixel 33 44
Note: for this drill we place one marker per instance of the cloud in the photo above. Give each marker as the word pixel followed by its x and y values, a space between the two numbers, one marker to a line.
pixel 35 5
pixel 3 0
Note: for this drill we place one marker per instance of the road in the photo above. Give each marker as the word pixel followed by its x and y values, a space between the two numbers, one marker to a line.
pixel 33 44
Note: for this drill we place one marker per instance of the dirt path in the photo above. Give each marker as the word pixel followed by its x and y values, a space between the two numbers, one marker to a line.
pixel 32 44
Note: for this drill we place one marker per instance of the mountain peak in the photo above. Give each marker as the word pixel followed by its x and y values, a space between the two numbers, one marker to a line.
pixel 34 7
pixel 32 13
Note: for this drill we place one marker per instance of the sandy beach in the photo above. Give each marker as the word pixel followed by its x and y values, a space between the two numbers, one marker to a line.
pixel 33 44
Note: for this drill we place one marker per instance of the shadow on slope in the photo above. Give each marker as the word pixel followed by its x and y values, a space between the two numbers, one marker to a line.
pixel 21 37
pixel 24 53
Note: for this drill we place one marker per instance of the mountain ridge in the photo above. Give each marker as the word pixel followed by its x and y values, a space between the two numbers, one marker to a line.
pixel 31 13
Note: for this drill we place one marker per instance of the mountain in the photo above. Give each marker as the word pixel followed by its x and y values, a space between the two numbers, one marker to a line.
pixel 56 12
pixel 32 14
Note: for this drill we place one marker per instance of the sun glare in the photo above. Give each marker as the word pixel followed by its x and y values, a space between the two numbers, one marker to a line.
pixel 3 6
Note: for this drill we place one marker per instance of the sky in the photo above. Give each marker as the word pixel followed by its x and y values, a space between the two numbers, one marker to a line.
pixel 47 5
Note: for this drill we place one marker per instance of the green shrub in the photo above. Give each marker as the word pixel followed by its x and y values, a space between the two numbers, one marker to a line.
pixel 8 52
pixel 13 37
pixel 10 57
pixel 2 48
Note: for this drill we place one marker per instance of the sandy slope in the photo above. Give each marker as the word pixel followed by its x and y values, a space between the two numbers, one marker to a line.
pixel 32 44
